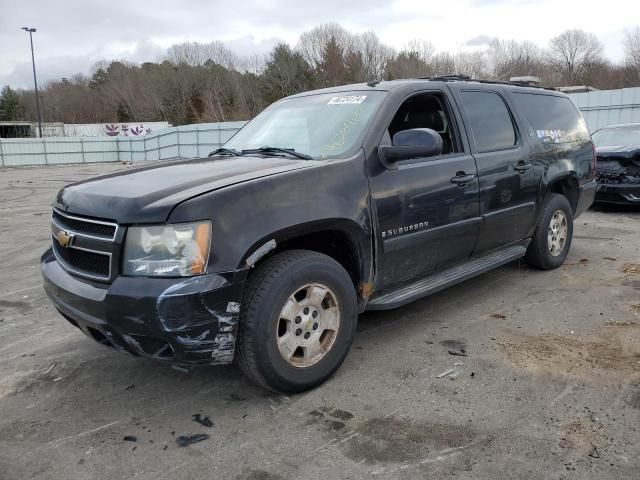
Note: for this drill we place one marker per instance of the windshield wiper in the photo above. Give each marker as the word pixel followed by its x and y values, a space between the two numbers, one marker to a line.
pixel 225 151
pixel 289 151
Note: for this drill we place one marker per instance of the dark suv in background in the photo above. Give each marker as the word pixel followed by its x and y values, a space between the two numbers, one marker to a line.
pixel 327 204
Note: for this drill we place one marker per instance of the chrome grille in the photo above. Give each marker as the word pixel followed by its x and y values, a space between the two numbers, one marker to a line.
pixel 84 246
pixel 87 227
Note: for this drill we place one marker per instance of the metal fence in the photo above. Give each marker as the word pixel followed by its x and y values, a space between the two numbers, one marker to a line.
pixel 608 107
pixel 189 141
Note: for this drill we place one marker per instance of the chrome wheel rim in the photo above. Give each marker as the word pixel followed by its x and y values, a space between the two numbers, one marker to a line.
pixel 557 234
pixel 308 325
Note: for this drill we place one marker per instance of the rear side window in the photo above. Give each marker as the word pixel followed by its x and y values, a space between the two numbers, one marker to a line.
pixel 555 119
pixel 490 121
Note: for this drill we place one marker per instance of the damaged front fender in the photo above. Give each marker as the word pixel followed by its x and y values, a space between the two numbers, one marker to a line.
pixel 202 313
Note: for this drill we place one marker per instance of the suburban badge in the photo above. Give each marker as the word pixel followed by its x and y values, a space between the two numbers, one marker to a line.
pixel 394 232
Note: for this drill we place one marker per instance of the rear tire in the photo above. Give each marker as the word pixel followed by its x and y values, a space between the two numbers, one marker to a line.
pixel 552 238
pixel 297 321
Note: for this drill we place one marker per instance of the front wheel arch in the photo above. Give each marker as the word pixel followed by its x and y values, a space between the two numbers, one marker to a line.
pixel 341 239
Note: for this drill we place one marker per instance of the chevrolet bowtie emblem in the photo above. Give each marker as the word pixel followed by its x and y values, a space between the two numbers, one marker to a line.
pixel 64 239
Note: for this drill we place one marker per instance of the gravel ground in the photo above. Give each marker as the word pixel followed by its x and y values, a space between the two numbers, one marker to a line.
pixel 550 388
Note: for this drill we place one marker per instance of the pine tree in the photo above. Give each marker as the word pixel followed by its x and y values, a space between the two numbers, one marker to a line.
pixel 10 108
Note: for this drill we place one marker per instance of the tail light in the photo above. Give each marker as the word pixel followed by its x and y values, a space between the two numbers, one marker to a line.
pixel 593 162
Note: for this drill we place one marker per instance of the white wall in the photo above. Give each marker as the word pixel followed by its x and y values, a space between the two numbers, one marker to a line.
pixel 189 141
pixel 608 107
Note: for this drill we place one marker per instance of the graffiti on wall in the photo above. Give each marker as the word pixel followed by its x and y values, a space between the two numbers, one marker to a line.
pixel 138 129
pixel 124 130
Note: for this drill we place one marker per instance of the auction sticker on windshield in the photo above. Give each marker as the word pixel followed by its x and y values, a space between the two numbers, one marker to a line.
pixel 346 99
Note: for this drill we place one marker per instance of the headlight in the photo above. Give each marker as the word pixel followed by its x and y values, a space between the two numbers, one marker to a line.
pixel 179 250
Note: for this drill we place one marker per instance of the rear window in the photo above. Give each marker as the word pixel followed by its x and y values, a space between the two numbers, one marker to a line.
pixel 555 119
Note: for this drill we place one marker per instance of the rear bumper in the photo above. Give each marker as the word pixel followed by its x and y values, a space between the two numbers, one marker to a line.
pixel 620 193
pixel 182 321
pixel 586 196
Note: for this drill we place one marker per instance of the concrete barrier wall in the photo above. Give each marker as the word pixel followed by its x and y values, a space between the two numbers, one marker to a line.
pixel 188 141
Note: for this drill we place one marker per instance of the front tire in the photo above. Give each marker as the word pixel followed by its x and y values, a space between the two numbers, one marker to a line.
pixel 552 238
pixel 297 321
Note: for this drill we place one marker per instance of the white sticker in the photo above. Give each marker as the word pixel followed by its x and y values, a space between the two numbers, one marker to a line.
pixel 347 99
pixel 551 136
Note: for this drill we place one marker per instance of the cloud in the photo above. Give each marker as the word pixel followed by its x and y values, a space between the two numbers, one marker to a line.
pixel 74 34
pixel 480 40
pixel 56 67
pixel 248 46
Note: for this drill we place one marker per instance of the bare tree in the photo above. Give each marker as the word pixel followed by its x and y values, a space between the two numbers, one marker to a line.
pixel 313 44
pixel 443 63
pixel 632 49
pixel 511 58
pixel 253 64
pixel 197 54
pixel 422 48
pixel 374 54
pixel 573 53
pixel 472 64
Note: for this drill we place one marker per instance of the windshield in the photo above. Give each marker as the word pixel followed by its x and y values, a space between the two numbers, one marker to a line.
pixel 321 126
pixel 616 136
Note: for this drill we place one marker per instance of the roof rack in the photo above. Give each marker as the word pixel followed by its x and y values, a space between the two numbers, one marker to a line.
pixel 466 78
pixel 448 78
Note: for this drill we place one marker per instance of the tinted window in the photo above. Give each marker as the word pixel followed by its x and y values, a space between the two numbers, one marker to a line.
pixel 490 121
pixel 555 119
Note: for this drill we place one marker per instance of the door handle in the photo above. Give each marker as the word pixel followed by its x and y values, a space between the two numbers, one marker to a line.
pixel 522 167
pixel 462 178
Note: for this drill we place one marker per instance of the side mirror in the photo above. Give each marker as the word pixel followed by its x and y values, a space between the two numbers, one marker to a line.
pixel 409 144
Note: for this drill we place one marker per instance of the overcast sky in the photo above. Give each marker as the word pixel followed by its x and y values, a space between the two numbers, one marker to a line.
pixel 74 34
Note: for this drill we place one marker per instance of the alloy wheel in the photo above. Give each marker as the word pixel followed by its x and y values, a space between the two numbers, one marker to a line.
pixel 308 325
pixel 557 233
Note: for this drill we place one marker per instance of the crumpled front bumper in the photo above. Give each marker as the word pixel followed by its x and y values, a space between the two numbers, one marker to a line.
pixel 183 321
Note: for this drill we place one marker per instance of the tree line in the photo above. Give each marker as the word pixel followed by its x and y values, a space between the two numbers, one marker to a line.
pixel 207 82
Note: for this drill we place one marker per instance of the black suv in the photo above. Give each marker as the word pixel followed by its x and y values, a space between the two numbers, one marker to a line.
pixel 327 204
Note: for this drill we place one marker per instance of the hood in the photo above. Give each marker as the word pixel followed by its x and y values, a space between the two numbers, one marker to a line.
pixel 618 152
pixel 148 194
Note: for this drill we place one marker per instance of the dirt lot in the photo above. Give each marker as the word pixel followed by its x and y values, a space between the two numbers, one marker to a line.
pixel 550 388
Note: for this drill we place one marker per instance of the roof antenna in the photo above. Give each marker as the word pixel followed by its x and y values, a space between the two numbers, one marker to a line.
pixel 373 83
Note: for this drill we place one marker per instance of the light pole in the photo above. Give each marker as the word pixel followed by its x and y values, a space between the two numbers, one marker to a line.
pixel 35 81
